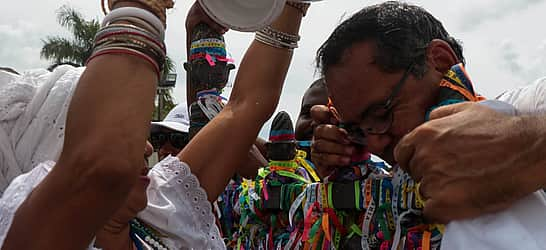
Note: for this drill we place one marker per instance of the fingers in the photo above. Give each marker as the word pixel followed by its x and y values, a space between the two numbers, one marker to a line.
pixel 331 133
pixel 449 110
pixel 326 160
pixel 321 115
pixel 330 147
pixel 404 151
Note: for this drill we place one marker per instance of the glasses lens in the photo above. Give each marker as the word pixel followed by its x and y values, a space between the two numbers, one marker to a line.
pixel 157 140
pixel 354 133
pixel 179 140
pixel 378 121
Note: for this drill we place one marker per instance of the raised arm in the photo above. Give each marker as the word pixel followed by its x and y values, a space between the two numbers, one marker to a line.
pixel 106 130
pixel 221 146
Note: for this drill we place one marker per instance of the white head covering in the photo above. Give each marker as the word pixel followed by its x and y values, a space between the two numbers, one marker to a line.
pixel 177 119
pixel 33 109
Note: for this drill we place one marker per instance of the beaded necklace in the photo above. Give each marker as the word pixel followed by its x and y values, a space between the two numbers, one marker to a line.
pixel 139 229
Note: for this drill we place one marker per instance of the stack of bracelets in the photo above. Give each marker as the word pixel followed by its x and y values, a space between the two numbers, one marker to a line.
pixel 278 39
pixel 366 205
pixel 132 31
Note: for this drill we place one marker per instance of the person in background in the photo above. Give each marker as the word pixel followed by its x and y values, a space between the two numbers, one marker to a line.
pixel 170 136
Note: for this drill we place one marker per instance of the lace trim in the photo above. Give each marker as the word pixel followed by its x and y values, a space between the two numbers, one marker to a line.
pixel 194 193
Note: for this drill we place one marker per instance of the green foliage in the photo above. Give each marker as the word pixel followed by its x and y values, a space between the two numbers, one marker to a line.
pixel 79 47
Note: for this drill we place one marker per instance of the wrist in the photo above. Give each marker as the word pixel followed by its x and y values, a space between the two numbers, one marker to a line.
pixel 289 21
pixel 534 135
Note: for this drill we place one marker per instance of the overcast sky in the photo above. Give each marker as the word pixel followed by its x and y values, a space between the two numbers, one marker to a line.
pixel 504 40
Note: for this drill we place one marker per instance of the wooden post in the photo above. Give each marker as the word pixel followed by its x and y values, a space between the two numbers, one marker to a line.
pixel 207 70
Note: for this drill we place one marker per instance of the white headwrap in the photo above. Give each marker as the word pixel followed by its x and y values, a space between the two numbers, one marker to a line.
pixel 33 109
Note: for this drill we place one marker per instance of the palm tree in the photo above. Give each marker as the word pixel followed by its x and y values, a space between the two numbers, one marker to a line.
pixel 76 50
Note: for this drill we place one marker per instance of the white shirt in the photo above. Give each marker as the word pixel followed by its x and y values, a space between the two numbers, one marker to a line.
pixel 523 225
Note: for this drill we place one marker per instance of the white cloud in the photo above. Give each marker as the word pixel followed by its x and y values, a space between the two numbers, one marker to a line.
pixel 482 25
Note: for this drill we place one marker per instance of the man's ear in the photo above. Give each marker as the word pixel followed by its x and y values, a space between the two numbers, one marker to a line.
pixel 440 56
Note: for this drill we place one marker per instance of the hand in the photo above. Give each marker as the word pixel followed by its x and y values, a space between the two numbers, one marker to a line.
pixel 470 161
pixel 196 15
pixel 330 148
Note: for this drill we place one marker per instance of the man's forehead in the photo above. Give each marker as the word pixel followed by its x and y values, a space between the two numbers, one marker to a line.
pixel 357 82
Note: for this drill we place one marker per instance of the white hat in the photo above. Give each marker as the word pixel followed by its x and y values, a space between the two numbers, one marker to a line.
pixel 177 119
pixel 243 15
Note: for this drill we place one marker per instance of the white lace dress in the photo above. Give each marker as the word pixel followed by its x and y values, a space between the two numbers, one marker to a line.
pixel 177 205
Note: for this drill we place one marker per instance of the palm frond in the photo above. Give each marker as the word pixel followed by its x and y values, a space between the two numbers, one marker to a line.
pixel 169 66
pixel 59 49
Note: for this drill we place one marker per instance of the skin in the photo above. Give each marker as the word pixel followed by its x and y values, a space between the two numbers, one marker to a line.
pixel 314 95
pixel 92 180
pixel 253 100
pixel 358 73
pixel 115 233
pixel 467 134
pixel 483 141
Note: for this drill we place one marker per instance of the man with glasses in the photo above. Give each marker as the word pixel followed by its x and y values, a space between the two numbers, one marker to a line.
pixel 170 136
pixel 388 68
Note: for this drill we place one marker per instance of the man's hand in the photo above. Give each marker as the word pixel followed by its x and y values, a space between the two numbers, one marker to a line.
pixel 196 15
pixel 471 160
pixel 331 147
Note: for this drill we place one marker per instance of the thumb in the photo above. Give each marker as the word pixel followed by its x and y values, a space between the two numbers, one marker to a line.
pixel 449 110
pixel 321 114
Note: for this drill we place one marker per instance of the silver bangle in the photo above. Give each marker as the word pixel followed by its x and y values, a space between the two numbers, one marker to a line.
pixel 260 37
pixel 278 39
pixel 139 24
pixel 142 14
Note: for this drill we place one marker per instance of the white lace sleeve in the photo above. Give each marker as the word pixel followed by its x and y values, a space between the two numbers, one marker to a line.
pixel 178 206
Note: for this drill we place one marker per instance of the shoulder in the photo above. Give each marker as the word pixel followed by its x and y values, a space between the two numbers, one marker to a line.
pixel 527 99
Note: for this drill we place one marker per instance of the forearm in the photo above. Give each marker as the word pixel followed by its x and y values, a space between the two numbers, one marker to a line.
pixel 105 134
pixel 222 146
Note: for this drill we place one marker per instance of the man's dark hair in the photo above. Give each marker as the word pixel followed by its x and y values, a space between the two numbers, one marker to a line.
pixel 401 32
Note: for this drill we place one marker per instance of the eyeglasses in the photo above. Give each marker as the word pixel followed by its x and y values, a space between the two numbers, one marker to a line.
pixel 377 119
pixel 176 139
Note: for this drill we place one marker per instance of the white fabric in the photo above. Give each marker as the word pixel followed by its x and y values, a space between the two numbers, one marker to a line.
pixel 530 99
pixel 522 226
pixel 33 110
pixel 177 205
pixel 177 119
pixel 243 15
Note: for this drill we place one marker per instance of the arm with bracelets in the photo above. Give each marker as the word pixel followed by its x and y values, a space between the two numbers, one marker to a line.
pixel 254 98
pixel 112 103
